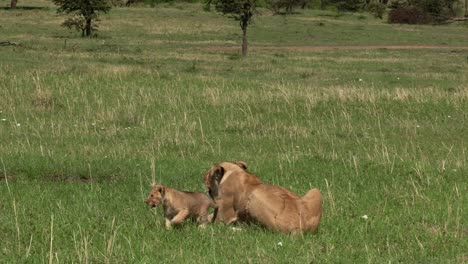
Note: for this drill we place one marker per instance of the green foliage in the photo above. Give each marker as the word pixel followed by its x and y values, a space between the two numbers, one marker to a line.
pixel 286 6
pixel 377 9
pixel 82 12
pixel 438 7
pixel 348 5
pixel 240 10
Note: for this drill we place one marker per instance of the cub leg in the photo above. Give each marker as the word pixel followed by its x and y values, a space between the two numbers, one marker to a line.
pixel 203 218
pixel 180 217
pixel 168 223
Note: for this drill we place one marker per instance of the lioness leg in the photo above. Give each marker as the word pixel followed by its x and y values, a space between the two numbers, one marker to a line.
pixel 225 212
pixel 180 217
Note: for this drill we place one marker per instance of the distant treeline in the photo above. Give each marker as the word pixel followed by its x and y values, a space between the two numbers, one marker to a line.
pixel 400 11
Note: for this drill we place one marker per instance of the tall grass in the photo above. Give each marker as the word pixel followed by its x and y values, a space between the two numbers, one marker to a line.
pixel 87 124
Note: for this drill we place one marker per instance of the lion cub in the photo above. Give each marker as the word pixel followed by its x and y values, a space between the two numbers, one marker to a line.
pixel 180 205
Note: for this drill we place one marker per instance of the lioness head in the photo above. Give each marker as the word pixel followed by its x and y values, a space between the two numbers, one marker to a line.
pixel 156 196
pixel 214 176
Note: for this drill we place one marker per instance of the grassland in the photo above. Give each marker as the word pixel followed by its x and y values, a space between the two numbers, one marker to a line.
pixel 87 124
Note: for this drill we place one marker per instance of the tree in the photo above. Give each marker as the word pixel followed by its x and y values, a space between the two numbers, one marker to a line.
pixel 82 13
pixel 240 10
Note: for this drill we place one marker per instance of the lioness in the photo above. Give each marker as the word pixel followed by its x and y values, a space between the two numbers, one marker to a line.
pixel 180 205
pixel 241 196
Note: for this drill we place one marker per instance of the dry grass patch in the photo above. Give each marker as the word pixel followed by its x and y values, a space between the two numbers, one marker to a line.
pixel 172 27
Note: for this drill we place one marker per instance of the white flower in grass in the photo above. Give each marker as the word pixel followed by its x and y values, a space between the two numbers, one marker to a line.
pixel 398 78
pixel 93 124
pixel 18 124
pixel 449 116
pixel 365 217
pixel 360 79
pixel 280 244
pixel 3 119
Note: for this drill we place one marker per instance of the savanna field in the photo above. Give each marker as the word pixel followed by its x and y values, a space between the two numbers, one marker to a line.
pixel 161 93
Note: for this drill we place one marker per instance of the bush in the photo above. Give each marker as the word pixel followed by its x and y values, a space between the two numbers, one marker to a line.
pixel 349 5
pixel 377 9
pixel 408 15
pixel 434 9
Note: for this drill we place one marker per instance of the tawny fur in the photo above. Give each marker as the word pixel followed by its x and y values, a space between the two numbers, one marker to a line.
pixel 179 205
pixel 241 196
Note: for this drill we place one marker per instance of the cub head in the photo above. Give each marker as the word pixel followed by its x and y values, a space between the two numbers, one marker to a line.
pixel 156 196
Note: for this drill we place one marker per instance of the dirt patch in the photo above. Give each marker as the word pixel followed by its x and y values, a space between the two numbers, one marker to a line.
pixel 7 178
pixel 79 179
pixel 464 259
pixel 331 48
pixel 68 178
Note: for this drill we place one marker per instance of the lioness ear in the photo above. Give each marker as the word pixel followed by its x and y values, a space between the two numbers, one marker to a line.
pixel 218 174
pixel 242 164
pixel 214 179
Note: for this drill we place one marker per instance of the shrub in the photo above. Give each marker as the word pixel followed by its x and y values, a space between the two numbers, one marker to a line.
pixel 287 5
pixel 435 10
pixel 408 15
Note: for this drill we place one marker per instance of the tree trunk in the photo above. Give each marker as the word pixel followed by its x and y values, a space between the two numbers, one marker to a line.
pixel 88 27
pixel 244 40
pixel 13 4
pixel 466 8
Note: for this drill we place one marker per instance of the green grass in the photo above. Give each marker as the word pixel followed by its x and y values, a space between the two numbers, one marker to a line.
pixel 87 124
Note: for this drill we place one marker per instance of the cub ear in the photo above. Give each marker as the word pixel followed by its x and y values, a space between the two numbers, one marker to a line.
pixel 162 190
pixel 241 164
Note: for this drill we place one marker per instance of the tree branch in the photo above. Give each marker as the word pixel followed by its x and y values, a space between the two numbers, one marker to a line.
pixel 9 43
pixel 448 20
